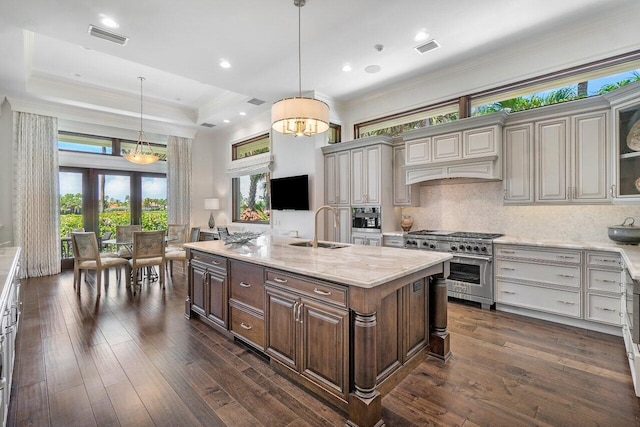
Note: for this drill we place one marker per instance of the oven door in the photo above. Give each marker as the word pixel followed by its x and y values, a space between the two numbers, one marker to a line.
pixel 471 275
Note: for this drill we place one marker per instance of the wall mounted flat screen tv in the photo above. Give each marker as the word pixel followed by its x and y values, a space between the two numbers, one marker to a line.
pixel 290 193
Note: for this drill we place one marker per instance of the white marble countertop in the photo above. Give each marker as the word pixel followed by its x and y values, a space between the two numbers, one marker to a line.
pixel 8 264
pixel 630 253
pixel 355 265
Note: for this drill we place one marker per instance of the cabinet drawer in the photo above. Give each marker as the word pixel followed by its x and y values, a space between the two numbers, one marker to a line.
pixel 209 260
pixel 604 280
pixel 248 326
pixel 604 259
pixel 393 241
pixel 565 275
pixel 247 283
pixel 604 309
pixel 556 301
pixel 538 254
pixel 319 290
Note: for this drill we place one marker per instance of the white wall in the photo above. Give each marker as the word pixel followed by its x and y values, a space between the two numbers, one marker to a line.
pixel 6 171
pixel 479 207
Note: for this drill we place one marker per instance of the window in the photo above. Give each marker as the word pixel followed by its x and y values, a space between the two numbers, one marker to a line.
pixel 69 141
pixel 396 124
pixel 250 192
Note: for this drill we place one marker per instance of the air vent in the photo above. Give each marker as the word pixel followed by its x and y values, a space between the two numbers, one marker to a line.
pixel 207 125
pixel 255 101
pixel 424 48
pixel 107 35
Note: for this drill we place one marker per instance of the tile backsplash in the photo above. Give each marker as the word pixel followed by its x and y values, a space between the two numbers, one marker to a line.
pixel 479 207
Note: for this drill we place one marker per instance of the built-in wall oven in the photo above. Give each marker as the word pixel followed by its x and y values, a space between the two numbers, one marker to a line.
pixel 471 268
pixel 366 218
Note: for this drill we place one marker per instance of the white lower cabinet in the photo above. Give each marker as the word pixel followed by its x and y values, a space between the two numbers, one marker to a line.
pixel 367 239
pixel 585 285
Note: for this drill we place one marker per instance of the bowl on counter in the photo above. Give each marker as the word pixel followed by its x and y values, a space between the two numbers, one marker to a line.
pixel 625 233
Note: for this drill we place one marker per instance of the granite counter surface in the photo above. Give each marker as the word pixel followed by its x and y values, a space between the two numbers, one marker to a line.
pixel 630 253
pixel 355 265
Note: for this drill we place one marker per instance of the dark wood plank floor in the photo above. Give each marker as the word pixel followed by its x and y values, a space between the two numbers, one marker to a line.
pixel 134 360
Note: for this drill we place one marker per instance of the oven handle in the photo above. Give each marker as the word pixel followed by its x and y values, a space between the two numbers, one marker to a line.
pixel 478 257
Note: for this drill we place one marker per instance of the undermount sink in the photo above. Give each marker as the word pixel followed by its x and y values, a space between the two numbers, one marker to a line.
pixel 326 245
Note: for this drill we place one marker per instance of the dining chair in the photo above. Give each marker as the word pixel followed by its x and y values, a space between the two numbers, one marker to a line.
pixel 105 236
pixel 87 257
pixel 176 237
pixel 181 255
pixel 148 251
pixel 124 233
pixel 223 232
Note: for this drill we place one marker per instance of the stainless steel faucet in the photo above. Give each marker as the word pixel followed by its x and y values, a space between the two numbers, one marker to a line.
pixel 315 222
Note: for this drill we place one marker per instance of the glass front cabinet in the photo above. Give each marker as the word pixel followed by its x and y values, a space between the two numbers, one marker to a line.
pixel 626 141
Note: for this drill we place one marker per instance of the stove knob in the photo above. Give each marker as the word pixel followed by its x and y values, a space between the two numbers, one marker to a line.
pixel 462 247
pixel 483 249
pixel 425 244
pixel 475 248
pixel 454 248
pixel 469 247
pixel 432 246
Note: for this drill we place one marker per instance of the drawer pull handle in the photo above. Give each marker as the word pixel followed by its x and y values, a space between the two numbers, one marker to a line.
pixel 245 285
pixel 605 309
pixel 566 275
pixel 566 302
pixel 245 326
pixel 606 281
pixel 507 252
pixel 507 268
pixel 279 280
pixel 565 256
pixel 508 292
pixel 214 262
pixel 320 292
pixel 196 257
pixel 630 354
pixel 605 260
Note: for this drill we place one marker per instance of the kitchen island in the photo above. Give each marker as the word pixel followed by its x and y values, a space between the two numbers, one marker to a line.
pixel 348 323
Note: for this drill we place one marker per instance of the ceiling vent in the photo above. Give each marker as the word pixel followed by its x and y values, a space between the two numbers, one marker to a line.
pixel 207 125
pixel 255 101
pixel 107 35
pixel 426 47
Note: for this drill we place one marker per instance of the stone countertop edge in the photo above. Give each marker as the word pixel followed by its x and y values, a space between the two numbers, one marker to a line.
pixel 353 265
pixel 630 253
pixel 8 264
pixel 394 233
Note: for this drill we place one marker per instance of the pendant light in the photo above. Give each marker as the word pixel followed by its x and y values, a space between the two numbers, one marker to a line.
pixel 300 116
pixel 143 154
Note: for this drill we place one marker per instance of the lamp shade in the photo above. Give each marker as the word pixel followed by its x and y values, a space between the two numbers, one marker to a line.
pixel 300 116
pixel 212 204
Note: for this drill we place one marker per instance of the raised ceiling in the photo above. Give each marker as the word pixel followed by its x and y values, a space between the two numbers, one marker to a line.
pixel 48 55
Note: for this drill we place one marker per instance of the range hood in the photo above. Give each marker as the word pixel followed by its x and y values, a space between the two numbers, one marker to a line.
pixel 467 148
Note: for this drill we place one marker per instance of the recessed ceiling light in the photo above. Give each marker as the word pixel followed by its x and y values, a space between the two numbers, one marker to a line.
pixel 224 63
pixel 421 35
pixel 242 113
pixel 346 67
pixel 226 121
pixel 108 22
pixel 372 69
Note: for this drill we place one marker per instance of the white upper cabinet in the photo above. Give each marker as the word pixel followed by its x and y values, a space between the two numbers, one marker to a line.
pixel 446 147
pixel 518 163
pixel 480 142
pixel 551 151
pixel 403 194
pixel 589 157
pixel 366 182
pixel 418 151
pixel 337 174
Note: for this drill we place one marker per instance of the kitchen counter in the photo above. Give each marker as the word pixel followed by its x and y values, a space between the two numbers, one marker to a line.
pixel 8 267
pixel 348 323
pixel 630 253
pixel 354 265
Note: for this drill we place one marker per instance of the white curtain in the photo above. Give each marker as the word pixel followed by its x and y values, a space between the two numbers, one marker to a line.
pixel 35 194
pixel 179 180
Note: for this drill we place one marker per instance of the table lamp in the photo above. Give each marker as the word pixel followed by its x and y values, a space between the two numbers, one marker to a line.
pixel 212 204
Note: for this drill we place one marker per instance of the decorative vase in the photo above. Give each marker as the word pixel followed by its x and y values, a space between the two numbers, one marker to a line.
pixel 406 223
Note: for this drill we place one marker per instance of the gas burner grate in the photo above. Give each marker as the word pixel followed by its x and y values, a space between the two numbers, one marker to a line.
pixel 468 235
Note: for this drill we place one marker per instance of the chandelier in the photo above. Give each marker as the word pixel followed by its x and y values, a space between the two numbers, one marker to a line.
pixel 143 153
pixel 300 116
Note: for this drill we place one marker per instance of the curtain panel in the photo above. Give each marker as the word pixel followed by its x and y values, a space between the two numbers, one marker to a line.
pixel 35 194
pixel 179 180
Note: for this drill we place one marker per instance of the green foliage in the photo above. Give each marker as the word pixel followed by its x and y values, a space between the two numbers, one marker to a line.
pixel 151 220
pixel 71 203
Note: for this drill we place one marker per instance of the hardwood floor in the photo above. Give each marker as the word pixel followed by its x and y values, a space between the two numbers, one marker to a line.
pixel 134 360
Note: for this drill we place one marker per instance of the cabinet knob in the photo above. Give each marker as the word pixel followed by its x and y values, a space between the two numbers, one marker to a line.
pixel 245 285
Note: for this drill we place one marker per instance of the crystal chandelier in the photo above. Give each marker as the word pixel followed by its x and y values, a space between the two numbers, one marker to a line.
pixel 143 153
pixel 300 116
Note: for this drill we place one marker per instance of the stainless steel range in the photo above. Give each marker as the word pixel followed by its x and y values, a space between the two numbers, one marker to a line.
pixel 471 273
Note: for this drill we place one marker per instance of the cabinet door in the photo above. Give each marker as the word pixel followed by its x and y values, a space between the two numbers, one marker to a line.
pixel 373 175
pixel 446 147
pixel 480 142
pixel 418 151
pixel 281 330
pixel 217 298
pixel 358 240
pixel 358 167
pixel 198 286
pixel 518 164
pixel 374 241
pixel 551 160
pixel 343 177
pixel 401 191
pixel 325 346
pixel 589 157
pixel 330 176
pixel 343 232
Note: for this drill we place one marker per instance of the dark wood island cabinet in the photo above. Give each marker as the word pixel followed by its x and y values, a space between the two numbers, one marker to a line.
pixel 348 324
